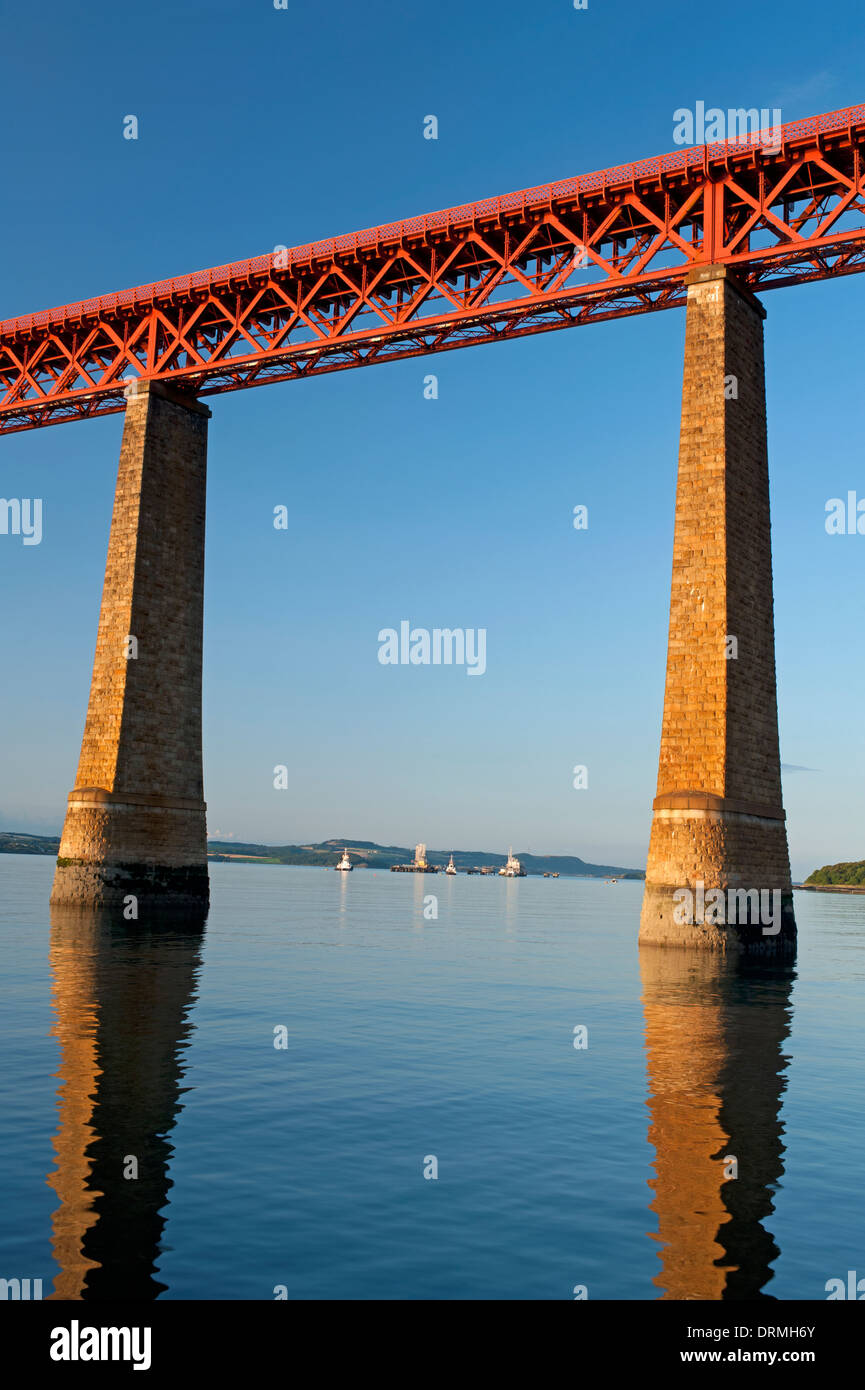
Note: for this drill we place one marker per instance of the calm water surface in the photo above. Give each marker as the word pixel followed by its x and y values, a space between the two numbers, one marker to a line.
pixel 408 1037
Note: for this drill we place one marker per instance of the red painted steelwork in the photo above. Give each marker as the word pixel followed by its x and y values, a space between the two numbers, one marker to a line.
pixel 782 207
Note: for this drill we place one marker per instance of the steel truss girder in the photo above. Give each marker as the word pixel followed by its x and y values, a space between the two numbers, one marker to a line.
pixel 602 246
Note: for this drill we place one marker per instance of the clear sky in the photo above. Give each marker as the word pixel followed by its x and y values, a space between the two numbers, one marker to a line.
pixel 260 127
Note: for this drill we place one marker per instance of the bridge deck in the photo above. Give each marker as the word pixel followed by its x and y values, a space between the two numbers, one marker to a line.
pixel 783 206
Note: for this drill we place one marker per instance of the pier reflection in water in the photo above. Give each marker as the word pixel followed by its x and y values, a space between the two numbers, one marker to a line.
pixel 121 992
pixel 715 1033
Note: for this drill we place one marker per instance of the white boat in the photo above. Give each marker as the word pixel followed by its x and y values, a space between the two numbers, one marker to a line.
pixel 513 868
pixel 451 868
pixel 345 865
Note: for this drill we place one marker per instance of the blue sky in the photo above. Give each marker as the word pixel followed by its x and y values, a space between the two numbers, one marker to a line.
pixel 260 127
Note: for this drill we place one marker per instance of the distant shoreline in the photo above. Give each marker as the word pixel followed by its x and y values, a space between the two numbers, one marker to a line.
pixel 364 854
pixel 832 887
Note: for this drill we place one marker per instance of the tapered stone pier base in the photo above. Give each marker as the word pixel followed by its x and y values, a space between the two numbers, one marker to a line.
pixel 718 872
pixel 135 823
pixel 135 843
pixel 753 932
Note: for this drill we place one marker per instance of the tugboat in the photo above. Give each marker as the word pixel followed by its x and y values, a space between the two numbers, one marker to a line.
pixel 513 868
pixel 345 865
pixel 451 868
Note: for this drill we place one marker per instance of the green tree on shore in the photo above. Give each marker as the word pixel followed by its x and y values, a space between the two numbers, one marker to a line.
pixel 848 875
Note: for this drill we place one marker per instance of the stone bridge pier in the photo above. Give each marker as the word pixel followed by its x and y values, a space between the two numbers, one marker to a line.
pixel 718 823
pixel 135 822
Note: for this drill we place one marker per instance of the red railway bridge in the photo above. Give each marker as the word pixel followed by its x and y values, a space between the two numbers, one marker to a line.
pixel 598 246
pixel 707 227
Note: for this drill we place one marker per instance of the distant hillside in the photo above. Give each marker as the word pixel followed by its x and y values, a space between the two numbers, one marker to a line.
pixel 366 854
pixel 12 842
pixel 848 875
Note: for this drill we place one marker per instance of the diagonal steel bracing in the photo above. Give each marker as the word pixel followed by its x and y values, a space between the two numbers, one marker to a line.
pixel 783 211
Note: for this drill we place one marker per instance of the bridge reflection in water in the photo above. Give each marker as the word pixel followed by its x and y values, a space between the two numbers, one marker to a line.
pixel 715 1031
pixel 122 995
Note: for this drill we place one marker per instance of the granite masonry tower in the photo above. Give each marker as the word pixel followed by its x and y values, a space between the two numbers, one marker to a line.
pixel 135 823
pixel 718 829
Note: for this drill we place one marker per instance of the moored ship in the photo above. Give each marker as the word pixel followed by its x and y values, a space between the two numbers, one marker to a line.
pixel 345 865
pixel 418 866
pixel 513 868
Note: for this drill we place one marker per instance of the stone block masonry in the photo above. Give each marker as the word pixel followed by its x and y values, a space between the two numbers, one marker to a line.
pixel 135 823
pixel 718 818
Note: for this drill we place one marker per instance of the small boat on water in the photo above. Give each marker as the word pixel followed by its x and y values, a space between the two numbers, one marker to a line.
pixel 345 865
pixel 451 868
pixel 513 868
